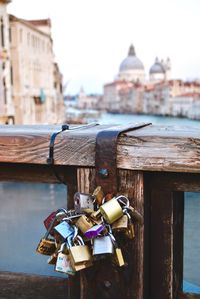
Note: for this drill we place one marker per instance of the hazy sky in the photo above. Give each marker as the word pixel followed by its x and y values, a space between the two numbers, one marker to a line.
pixel 92 37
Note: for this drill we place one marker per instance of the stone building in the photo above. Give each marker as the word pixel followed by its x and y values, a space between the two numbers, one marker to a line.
pixel 156 98
pixel 128 93
pixel 7 111
pixel 159 95
pixel 85 101
pixel 123 96
pixel 34 81
pixel 30 81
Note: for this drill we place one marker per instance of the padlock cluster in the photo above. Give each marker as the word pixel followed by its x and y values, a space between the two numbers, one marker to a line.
pixel 89 232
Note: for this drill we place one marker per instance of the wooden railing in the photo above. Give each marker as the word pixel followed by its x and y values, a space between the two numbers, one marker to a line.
pixel 156 165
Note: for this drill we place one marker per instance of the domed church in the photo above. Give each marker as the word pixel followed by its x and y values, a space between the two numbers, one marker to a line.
pixel 132 68
pixel 160 70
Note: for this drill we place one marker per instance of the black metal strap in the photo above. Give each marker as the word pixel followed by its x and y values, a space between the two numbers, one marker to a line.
pixel 50 159
pixel 106 155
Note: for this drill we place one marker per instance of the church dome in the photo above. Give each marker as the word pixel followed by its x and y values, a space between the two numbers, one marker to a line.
pixel 157 68
pixel 131 62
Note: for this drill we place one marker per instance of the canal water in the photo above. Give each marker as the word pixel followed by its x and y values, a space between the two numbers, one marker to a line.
pixel 24 206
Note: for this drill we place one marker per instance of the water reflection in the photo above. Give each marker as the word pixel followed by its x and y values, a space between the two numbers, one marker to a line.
pixel 192 241
pixel 23 208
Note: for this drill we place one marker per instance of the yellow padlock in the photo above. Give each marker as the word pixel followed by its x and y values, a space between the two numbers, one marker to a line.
pixel 111 210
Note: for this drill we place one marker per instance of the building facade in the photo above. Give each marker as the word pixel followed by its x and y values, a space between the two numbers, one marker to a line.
pixel 159 95
pixel 7 111
pixel 31 82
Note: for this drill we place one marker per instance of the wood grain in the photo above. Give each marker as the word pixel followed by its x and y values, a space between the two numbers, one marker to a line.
pixel 103 280
pixel 161 248
pixel 25 286
pixel 153 148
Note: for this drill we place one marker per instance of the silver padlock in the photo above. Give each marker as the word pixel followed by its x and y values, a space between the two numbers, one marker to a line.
pixel 64 229
pixel 102 247
pixel 83 201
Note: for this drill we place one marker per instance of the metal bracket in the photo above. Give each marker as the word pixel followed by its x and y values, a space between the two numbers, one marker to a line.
pixel 106 155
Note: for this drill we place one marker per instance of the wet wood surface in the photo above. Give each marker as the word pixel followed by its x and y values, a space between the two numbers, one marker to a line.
pixel 154 148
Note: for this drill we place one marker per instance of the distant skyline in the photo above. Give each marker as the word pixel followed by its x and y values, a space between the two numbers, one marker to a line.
pixel 92 37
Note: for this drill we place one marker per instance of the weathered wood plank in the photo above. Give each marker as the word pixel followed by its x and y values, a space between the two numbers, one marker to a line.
pixel 161 262
pixel 178 234
pixel 34 173
pixel 154 148
pixel 131 184
pixel 186 182
pixel 25 286
pixel 103 280
pixel 188 296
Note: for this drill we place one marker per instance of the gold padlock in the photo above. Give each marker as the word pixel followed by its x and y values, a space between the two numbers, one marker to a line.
pixel 111 210
pixel 79 253
pixel 47 246
pixel 79 267
pixel 130 233
pixel 84 223
pixel 119 257
pixel 98 195
pixel 120 225
pixel 52 259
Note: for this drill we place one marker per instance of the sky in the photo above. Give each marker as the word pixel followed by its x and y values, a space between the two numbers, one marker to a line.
pixel 92 37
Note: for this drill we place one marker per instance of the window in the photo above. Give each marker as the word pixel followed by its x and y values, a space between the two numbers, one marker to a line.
pixel 2 34
pixel 11 74
pixel 10 35
pixel 21 35
pixel 28 39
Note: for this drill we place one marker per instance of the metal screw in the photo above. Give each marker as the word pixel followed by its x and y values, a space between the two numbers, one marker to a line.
pixel 107 284
pixel 103 173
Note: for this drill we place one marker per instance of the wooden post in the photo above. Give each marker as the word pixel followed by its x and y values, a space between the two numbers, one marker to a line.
pixel 166 259
pixel 105 280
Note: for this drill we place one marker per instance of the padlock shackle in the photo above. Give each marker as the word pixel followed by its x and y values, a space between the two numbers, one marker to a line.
pixel 75 232
pixel 72 217
pixel 113 240
pixel 79 240
pixel 127 214
pixel 119 199
pixel 62 247
pixel 50 228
